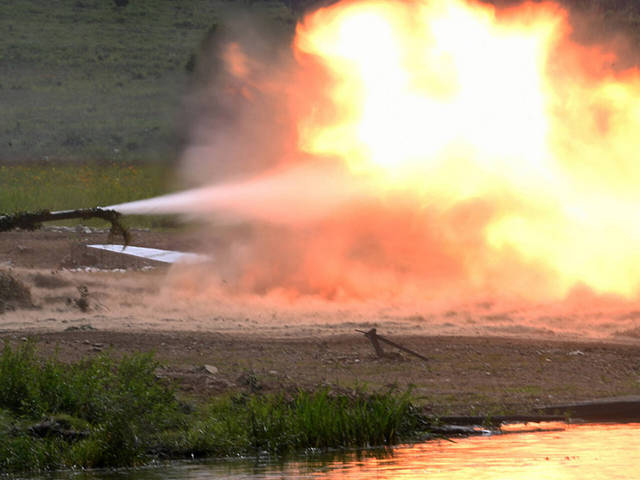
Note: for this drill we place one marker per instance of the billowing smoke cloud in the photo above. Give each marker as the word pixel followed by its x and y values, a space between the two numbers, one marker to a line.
pixel 296 213
pixel 238 110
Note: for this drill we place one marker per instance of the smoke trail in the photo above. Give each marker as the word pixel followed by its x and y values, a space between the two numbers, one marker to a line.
pixel 488 210
pixel 293 196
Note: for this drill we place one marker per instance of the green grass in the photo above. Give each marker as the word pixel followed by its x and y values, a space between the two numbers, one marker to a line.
pixel 106 413
pixel 30 187
pixel 318 419
pixel 86 80
pixel 59 186
pixel 121 405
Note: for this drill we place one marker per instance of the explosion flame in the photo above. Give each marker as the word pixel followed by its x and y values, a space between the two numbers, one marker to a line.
pixel 487 153
pixel 463 104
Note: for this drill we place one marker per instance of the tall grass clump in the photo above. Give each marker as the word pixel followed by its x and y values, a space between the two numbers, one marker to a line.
pixel 319 419
pixel 324 420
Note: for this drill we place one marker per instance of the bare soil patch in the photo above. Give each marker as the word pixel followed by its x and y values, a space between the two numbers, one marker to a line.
pixel 216 351
pixel 464 375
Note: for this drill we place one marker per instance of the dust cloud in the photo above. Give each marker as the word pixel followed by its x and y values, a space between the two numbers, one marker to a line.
pixel 299 239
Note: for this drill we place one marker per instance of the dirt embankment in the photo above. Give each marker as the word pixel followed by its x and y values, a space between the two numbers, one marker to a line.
pixel 464 375
pixel 224 347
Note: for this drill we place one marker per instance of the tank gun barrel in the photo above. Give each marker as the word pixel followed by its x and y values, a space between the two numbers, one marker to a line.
pixel 34 220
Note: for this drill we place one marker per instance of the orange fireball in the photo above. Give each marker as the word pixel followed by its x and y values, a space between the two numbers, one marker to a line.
pixel 455 101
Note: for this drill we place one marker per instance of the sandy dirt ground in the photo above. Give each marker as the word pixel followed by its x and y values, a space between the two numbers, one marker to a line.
pixel 484 358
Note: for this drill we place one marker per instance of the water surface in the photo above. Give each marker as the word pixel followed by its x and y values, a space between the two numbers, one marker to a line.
pixel 560 452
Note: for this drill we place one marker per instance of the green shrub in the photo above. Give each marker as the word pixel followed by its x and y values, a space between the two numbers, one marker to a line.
pixel 18 377
pixel 106 413
pixel 122 404
pixel 320 419
pixel 24 453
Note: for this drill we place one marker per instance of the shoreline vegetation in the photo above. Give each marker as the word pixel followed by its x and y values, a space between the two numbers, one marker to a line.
pixel 103 412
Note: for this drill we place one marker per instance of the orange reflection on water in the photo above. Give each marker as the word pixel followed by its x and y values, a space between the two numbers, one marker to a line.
pixel 576 452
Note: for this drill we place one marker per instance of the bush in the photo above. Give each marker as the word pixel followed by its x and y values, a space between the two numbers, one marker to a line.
pixel 320 419
pixel 106 413
pixel 122 402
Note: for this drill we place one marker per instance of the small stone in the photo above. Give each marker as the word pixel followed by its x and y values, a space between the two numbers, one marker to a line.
pixel 211 369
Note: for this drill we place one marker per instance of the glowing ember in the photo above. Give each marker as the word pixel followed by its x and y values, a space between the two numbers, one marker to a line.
pixel 457 102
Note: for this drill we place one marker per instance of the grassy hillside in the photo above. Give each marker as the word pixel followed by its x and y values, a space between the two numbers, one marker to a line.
pixel 86 79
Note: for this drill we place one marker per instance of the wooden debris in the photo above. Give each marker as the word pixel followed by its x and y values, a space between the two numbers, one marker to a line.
pixel 375 340
pixel 615 409
pixel 500 419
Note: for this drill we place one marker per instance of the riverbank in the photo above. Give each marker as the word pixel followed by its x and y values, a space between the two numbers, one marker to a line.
pixel 81 307
pixel 87 398
pixel 483 359
pixel 102 412
pixel 481 376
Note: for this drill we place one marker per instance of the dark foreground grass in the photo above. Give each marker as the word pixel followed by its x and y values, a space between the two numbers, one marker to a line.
pixel 103 412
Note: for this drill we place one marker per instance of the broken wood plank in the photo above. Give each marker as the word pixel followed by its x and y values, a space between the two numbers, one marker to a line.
pixel 616 409
pixel 373 337
pixel 500 419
